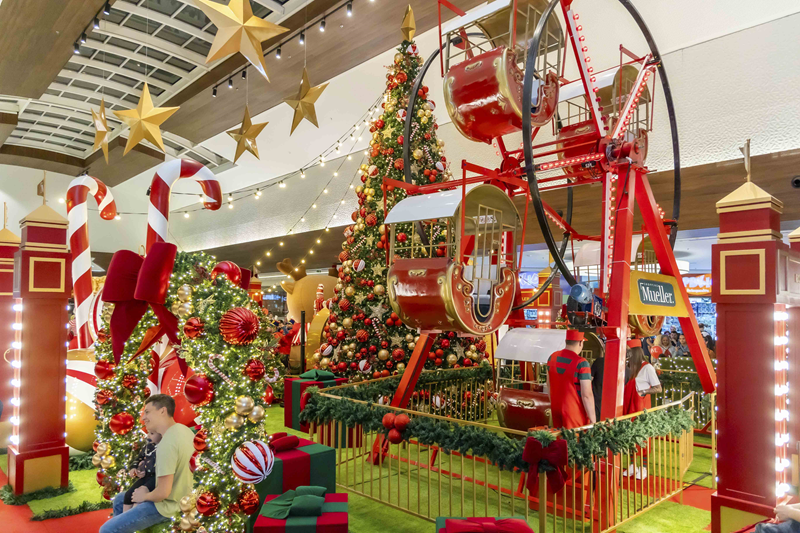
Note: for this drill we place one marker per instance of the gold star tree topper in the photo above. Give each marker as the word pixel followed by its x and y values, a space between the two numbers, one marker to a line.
pixel 245 135
pixel 303 105
pixel 238 30
pixel 144 121
pixel 409 27
pixel 101 129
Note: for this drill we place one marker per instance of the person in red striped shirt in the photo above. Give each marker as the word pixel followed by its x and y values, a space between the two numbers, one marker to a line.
pixel 570 384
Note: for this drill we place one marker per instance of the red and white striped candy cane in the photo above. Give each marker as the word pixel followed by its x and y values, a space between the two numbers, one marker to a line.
pixel 78 216
pixel 166 175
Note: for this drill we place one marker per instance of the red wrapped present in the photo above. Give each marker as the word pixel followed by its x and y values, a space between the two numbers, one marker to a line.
pixel 481 524
pixel 334 518
pixel 294 389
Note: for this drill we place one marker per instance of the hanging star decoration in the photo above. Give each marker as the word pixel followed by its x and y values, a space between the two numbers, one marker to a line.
pixel 238 30
pixel 245 136
pixel 303 105
pixel 144 121
pixel 101 129
pixel 409 27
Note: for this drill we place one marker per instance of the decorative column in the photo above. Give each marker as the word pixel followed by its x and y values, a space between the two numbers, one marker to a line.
pixel 254 290
pixel 38 456
pixel 9 244
pixel 756 283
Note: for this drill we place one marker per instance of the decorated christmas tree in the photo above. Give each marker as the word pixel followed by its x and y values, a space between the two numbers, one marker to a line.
pixel 227 343
pixel 365 339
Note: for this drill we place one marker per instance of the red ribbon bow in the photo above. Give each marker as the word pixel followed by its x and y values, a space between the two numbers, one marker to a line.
pixel 551 459
pixel 486 525
pixel 133 283
pixel 281 442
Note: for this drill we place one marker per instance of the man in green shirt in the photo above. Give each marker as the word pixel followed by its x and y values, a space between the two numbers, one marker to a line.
pixel 173 475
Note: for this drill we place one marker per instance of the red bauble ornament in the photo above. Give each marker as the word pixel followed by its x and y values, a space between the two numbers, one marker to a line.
pixel 231 271
pixel 121 423
pixel 254 369
pixel 480 345
pixel 362 335
pixel 343 255
pixel 129 381
pixel 467 362
pixel 402 237
pixel 438 362
pixel 445 343
pixel 401 77
pixel 248 501
pixel 401 422
pixel 431 356
pixel 207 503
pixel 193 328
pixel 269 395
pixel 107 495
pixel 344 304
pixel 394 316
pixel 340 335
pixel 371 219
pixel 199 441
pixel 379 124
pixel 389 364
pixel 104 396
pixel 398 354
pixel 101 478
pixel 398 164
pixel 342 366
pixel 376 375
pixel 239 326
pixel 388 420
pixel 199 390
pixel 400 140
pixel 384 344
pixel 395 437
pixel 384 373
pixel 104 369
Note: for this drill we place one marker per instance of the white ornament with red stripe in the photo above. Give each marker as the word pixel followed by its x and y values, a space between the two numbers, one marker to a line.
pixel 364 366
pixel 372 170
pixel 358 265
pixel 348 231
pixel 252 462
pixel 431 105
pixel 412 50
pixel 160 189
pixel 325 349
pixel 440 166
pixel 401 115
pixel 78 216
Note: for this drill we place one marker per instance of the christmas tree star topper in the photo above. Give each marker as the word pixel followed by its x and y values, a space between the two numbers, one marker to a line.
pixel 144 121
pixel 245 136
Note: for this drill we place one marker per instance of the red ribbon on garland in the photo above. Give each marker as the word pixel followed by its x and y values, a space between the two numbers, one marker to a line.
pixel 551 459
pixel 133 283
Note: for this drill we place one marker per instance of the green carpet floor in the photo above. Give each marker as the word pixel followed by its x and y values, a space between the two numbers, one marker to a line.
pixel 366 513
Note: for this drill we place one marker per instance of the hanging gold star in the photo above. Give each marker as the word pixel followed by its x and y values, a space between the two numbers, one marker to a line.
pixel 303 105
pixel 409 27
pixel 101 129
pixel 245 136
pixel 387 133
pixel 144 121
pixel 238 30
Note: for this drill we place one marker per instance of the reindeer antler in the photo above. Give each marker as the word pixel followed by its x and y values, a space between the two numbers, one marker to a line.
pixel 297 273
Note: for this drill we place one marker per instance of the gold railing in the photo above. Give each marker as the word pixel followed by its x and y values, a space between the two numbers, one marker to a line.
pixel 425 481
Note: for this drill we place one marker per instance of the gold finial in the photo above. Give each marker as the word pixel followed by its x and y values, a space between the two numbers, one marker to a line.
pixel 746 152
pixel 409 26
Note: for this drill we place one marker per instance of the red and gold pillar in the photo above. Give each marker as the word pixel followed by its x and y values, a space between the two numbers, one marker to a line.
pixel 38 456
pixel 255 292
pixel 9 244
pixel 756 286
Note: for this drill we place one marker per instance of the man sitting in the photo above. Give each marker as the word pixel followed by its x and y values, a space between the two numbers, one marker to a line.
pixel 173 476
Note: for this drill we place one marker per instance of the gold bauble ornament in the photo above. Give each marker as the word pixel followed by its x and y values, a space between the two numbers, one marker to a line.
pixel 398 57
pixel 186 309
pixel 418 153
pixel 379 290
pixel 352 346
pixel 244 404
pixel 428 112
pixel 349 263
pixel 376 135
pixel 186 504
pixel 233 421
pixel 420 112
pixel 390 109
pixel 192 516
pixel 373 142
pixel 409 337
pixel 185 525
pixel 452 359
pixel 324 362
pixel 176 305
pixel 411 345
pixel 364 167
pixel 96 459
pixel 359 189
pixel 350 354
pixel 441 142
pixel 257 414
pixel 185 293
pixel 348 322
pixel 349 291
pixel 338 287
pixel 401 367
pixel 315 357
pixel 383 355
pixel 102 448
pixel 426 106
pixel 346 270
pixel 473 348
pixel 108 462
pixel 416 339
pixel 424 120
pixel 362 227
pixel 371 191
pixel 382 229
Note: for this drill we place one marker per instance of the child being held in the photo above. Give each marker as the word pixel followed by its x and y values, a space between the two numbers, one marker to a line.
pixel 143 467
pixel 788 517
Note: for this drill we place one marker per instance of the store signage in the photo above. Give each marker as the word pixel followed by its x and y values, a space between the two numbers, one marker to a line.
pixel 698 284
pixel 655 294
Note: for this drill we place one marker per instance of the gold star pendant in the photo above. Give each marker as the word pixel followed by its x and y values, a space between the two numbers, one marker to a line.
pixel 303 105
pixel 409 27
pixel 144 121
pixel 245 136
pixel 387 132
pixel 101 129
pixel 238 30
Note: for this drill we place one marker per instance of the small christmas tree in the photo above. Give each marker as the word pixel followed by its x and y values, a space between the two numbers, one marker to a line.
pixel 365 339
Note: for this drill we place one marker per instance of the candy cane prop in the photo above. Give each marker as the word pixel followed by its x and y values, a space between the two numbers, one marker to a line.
pixel 166 176
pixel 78 217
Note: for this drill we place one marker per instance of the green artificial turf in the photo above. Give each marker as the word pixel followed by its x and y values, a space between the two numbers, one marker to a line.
pixel 669 517
pixel 86 490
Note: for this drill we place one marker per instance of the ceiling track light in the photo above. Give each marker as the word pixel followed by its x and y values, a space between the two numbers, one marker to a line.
pixel 96 23
pixel 349 9
pixel 244 74
pixel 302 37
pixel 76 48
pixel 278 53
pixel 230 83
pixel 107 9
pixel 83 38
pixel 322 25
pixel 214 92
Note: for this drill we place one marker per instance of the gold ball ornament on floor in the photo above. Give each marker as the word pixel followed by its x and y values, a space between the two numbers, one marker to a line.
pixel 244 404
pixel 257 414
pixel 185 293
pixel 186 504
pixel 108 462
pixel 233 421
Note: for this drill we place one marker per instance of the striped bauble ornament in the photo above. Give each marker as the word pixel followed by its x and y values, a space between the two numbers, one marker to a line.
pixel 252 462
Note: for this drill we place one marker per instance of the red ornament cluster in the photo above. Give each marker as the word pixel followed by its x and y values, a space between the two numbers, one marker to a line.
pixel 396 424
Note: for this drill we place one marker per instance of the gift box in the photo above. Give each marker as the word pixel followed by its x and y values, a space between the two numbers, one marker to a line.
pixel 442 526
pixel 295 387
pixel 332 520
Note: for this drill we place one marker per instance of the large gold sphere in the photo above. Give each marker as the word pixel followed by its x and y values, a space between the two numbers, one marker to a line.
pixel 233 421
pixel 383 355
pixel 257 414
pixel 185 309
pixel 96 459
pixel 103 448
pixel 350 291
pixel 185 293
pixel 324 362
pixel 418 153
pixel 379 290
pixel 108 462
pixel 348 322
pixel 452 359
pixel 244 404
pixel 186 504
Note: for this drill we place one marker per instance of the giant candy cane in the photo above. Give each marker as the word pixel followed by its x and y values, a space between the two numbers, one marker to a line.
pixel 77 214
pixel 166 175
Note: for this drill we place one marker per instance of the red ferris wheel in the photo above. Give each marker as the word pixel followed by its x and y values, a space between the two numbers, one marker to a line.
pixel 505 69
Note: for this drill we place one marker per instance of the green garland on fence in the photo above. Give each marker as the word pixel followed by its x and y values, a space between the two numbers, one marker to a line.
pixel 85 507
pixel 7 494
pixel 618 436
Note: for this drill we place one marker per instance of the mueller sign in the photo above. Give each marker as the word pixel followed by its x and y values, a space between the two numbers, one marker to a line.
pixel 656 293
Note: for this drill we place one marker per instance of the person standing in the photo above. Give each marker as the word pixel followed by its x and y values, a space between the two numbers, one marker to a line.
pixel 570 384
pixel 642 382
pixel 663 348
pixel 597 371
pixel 682 350
pixel 173 475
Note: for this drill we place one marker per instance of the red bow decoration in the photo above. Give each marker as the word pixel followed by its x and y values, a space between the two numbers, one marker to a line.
pixel 283 443
pixel 551 459
pixel 486 525
pixel 133 283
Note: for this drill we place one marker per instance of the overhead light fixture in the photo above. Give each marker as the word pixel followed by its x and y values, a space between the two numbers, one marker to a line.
pixel 302 37
pixel 83 37
pixel 230 83
pixel 214 93
pixel 349 9
pixel 230 205
pixel 302 174
pixel 244 74
pixel 278 53
pixel 258 263
pixel 282 185
pixel 186 214
pixel 107 9
pixel 96 23
pixel 76 48
pixel 322 25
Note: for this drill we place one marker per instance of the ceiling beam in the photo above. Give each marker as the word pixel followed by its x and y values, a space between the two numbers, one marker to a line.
pixel 136 37
pixel 55 86
pixel 111 69
pixel 161 18
pixel 109 84
pixel 8 123
pixel 40 158
pixel 131 56
pixel 272 5
pixel 42 145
